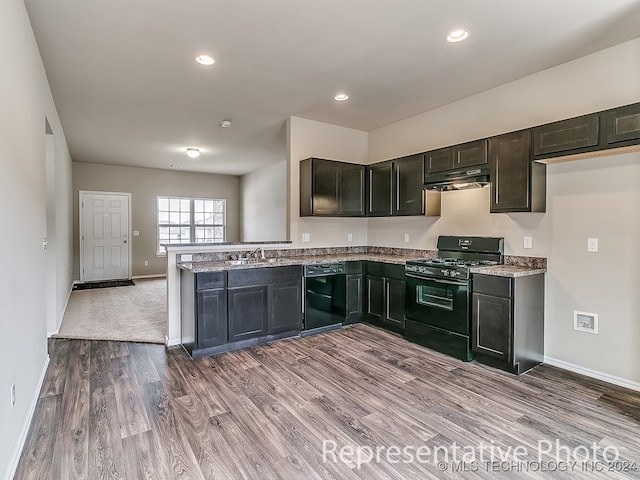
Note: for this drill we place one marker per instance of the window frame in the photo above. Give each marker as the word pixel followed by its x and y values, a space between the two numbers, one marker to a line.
pixel 160 252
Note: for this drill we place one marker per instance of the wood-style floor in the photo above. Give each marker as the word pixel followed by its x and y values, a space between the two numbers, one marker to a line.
pixel 137 411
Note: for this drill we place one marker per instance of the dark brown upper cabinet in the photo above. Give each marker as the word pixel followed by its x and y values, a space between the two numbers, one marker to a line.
pixel 380 189
pixel 394 188
pixel 458 156
pixel 566 135
pixel 579 137
pixel 408 193
pixel 623 124
pixel 517 184
pixel 438 160
pixel 470 154
pixel 331 188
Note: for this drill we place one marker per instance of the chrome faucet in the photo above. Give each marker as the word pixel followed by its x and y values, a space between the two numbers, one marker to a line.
pixel 254 254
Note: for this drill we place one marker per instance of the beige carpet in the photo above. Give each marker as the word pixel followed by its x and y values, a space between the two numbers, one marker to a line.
pixel 136 313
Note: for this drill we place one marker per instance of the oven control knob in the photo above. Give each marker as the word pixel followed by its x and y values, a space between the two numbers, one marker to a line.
pixel 445 272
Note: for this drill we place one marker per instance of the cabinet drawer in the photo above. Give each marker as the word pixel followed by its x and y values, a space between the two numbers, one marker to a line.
pixel 579 132
pixel 623 124
pixel 492 285
pixel 389 270
pixel 208 280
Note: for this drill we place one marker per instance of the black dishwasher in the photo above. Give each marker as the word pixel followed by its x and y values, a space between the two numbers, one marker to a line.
pixel 325 297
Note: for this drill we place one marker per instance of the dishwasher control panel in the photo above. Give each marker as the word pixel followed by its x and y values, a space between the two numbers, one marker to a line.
pixel 324 269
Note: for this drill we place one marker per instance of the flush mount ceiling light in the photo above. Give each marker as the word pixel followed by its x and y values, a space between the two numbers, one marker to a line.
pixel 341 97
pixel 193 152
pixel 204 60
pixel 458 36
pixel 225 123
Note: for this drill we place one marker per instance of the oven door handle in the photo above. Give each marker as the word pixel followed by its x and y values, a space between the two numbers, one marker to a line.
pixel 437 280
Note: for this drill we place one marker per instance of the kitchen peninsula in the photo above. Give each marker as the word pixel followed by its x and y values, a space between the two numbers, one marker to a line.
pixel 210 271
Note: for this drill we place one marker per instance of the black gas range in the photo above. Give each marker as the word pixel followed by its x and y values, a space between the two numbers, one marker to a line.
pixel 438 306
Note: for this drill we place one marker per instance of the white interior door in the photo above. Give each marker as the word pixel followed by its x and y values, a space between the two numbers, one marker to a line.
pixel 104 236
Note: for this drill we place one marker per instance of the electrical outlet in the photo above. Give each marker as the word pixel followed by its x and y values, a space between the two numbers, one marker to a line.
pixel 592 245
pixel 136 233
pixel 146 263
pixel 349 237
pixel 406 238
pixel 528 242
pixel 306 237
pixel 13 395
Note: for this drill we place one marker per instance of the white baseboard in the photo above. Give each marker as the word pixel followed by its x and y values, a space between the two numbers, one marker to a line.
pixel 22 437
pixel 66 304
pixel 605 377
pixel 173 342
pixel 159 275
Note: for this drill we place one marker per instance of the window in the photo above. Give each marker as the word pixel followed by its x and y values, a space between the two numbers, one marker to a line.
pixel 190 220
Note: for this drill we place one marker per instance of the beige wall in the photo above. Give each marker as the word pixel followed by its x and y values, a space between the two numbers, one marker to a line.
pixel 34 281
pixel 307 138
pixel 586 198
pixel 264 204
pixel 145 184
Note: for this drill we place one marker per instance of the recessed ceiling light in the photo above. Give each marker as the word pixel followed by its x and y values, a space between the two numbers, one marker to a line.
pixel 458 35
pixel 225 123
pixel 193 152
pixel 341 97
pixel 204 60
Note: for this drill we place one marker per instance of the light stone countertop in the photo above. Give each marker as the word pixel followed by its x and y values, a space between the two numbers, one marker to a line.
pixel 508 270
pixel 217 266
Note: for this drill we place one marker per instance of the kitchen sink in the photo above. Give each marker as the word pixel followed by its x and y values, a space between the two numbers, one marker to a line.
pixel 252 261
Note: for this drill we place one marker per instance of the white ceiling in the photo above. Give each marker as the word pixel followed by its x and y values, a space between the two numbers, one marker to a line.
pixel 129 92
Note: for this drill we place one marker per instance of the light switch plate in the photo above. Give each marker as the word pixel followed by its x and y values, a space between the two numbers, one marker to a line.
pixel 528 242
pixel 136 233
pixel 306 237
pixel 592 245
pixel 349 237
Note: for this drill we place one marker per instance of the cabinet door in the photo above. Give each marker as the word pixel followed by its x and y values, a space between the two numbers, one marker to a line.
pixel 470 154
pixel 438 160
pixel 623 124
pixel 351 190
pixel 395 291
pixel 559 137
pixel 285 307
pixel 379 181
pixel 492 326
pixel 355 291
pixel 211 317
pixel 510 160
pixel 325 187
pixel 248 312
pixel 409 196
pixel 375 298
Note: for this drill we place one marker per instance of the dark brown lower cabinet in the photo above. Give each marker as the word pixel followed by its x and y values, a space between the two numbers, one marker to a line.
pixel 385 292
pixel 354 283
pixel 223 311
pixel 247 312
pixel 285 307
pixel 507 324
pixel 204 310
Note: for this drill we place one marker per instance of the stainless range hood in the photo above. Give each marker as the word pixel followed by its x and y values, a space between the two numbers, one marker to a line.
pixel 458 179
